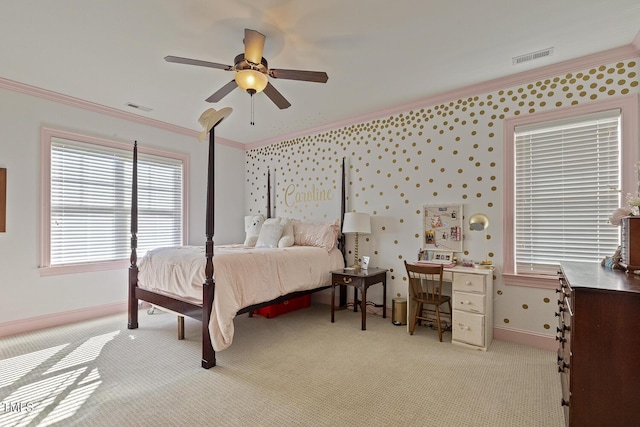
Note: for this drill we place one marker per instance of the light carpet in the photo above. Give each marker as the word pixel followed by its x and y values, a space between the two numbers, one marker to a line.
pixel 297 369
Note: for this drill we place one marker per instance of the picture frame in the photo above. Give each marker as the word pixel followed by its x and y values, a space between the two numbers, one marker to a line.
pixel 365 262
pixel 442 228
pixel 3 200
pixel 443 256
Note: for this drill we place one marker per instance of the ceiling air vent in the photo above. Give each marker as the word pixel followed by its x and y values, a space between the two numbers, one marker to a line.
pixel 531 56
pixel 138 107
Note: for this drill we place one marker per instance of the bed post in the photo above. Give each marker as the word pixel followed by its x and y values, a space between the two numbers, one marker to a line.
pixel 342 211
pixel 208 288
pixel 268 193
pixel 133 268
pixel 342 242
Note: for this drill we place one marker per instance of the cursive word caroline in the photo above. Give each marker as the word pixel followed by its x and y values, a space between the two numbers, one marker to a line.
pixel 291 196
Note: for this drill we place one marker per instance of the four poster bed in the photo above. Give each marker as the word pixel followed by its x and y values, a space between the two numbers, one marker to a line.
pixel 246 278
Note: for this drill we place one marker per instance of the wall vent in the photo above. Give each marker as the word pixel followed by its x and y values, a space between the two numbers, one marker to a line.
pixel 531 56
pixel 138 107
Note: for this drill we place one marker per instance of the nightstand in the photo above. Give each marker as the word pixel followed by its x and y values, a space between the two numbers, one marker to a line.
pixel 360 279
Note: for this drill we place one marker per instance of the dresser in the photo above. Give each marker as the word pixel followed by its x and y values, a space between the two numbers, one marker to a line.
pixel 472 304
pixel 630 238
pixel 598 345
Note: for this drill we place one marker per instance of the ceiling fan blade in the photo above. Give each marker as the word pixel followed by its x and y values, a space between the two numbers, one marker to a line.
pixel 276 97
pixel 222 92
pixel 188 61
pixel 307 76
pixel 253 45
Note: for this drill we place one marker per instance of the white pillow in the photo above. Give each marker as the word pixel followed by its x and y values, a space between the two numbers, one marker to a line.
pixel 270 234
pixel 287 233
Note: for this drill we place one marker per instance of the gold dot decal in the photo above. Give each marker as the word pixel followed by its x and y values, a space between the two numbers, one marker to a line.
pixel 421 138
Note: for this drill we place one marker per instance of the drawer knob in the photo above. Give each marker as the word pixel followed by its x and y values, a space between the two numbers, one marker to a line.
pixel 463 327
pixel 347 279
pixel 468 283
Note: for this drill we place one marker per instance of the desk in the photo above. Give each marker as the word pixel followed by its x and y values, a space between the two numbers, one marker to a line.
pixel 360 279
pixel 472 302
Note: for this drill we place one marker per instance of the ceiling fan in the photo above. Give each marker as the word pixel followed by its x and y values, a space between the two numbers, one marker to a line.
pixel 253 72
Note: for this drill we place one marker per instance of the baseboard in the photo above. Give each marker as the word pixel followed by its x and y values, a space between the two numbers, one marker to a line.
pixel 58 319
pixel 501 333
pixel 519 336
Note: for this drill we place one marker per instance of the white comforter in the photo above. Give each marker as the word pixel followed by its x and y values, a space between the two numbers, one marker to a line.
pixel 244 276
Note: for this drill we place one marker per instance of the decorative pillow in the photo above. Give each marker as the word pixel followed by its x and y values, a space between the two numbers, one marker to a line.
pixel 321 234
pixel 252 228
pixel 270 234
pixel 287 238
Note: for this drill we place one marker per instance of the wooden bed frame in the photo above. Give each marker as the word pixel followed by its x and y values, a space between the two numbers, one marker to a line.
pixel 196 311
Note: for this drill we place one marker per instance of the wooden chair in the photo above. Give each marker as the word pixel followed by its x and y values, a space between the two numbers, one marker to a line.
pixel 425 284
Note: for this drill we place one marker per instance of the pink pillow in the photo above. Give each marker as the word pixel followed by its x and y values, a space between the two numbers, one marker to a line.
pixel 321 234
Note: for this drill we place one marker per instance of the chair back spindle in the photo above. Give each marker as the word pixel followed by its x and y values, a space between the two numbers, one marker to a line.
pixel 425 282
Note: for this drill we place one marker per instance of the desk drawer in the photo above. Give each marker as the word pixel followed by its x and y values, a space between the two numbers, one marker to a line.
pixel 468 328
pixel 473 303
pixel 469 283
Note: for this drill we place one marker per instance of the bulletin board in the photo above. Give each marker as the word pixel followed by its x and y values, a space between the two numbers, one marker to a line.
pixel 3 200
pixel 442 227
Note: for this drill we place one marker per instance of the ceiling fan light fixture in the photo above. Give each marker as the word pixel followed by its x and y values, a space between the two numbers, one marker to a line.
pixel 251 79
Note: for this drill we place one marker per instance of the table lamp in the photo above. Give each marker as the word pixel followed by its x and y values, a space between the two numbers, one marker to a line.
pixel 356 223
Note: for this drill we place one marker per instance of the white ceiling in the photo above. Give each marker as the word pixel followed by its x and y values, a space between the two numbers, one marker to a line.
pixel 378 53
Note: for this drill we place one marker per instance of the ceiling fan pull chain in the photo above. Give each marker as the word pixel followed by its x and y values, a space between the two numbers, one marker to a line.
pixel 253 123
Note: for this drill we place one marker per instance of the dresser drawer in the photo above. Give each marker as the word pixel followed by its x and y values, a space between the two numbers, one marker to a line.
pixel 473 303
pixel 469 283
pixel 468 328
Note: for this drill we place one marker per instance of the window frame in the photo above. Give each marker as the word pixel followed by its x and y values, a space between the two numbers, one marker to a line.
pixel 628 106
pixel 46 135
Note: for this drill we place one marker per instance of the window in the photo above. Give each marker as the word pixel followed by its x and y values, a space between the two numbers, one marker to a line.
pixel 87 202
pixel 565 173
pixel 561 178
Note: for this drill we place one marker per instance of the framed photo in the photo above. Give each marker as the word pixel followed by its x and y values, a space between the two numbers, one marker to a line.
pixel 3 200
pixel 444 257
pixel 442 229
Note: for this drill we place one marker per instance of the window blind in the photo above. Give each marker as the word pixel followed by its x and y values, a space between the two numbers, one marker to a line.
pixel 564 175
pixel 91 202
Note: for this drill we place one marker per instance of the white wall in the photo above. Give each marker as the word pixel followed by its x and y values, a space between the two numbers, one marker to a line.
pixel 447 150
pixel 24 294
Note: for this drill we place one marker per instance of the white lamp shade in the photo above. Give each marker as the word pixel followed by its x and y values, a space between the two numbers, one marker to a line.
pixel 251 79
pixel 356 222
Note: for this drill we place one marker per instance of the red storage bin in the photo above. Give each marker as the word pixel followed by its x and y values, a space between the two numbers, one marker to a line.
pixel 284 306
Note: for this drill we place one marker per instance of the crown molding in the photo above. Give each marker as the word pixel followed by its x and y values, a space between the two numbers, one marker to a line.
pixel 605 57
pixel 102 109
